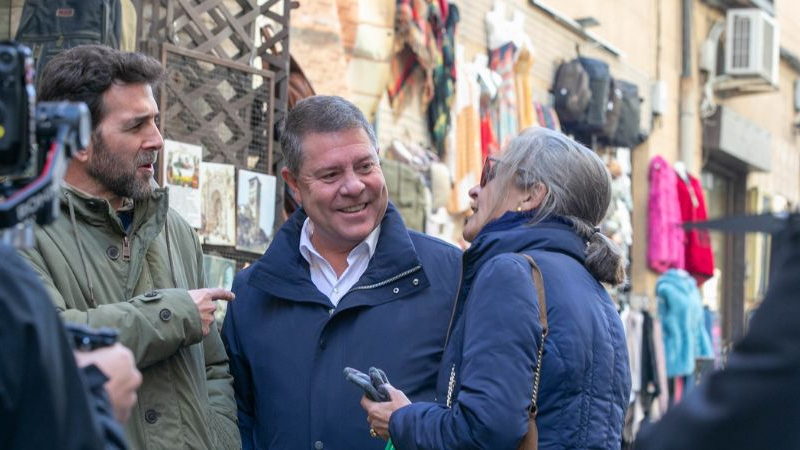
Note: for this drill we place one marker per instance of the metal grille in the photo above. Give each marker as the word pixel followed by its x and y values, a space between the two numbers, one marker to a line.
pixel 226 29
pixel 225 107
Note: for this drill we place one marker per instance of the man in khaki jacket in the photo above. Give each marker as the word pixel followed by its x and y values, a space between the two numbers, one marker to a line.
pixel 119 257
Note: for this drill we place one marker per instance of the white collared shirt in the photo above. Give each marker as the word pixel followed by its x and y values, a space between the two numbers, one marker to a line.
pixel 322 274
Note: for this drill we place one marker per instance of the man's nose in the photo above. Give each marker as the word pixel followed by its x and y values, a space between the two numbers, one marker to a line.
pixel 352 184
pixel 154 141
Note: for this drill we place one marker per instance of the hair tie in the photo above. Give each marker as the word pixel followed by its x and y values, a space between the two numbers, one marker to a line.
pixel 596 229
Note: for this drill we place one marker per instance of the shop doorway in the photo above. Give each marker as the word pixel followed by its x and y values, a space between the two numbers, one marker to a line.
pixel 725 190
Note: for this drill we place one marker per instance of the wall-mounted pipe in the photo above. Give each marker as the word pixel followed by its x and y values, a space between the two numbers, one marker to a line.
pixel 688 108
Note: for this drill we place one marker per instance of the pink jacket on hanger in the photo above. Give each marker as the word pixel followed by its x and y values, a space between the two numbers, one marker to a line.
pixel 665 248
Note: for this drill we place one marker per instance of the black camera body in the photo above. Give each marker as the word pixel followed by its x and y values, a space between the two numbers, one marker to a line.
pixel 36 141
pixel 17 116
pixel 87 339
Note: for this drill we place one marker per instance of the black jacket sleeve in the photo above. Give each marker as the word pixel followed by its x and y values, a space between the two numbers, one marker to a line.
pixel 755 401
pixel 43 397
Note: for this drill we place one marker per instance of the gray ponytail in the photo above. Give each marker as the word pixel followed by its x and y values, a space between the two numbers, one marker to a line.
pixel 603 256
pixel 578 187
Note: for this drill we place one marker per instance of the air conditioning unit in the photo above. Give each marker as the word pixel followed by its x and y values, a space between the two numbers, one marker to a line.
pixel 752 45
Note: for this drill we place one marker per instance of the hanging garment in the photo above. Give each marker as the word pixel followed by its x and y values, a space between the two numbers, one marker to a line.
pixel 665 236
pixel 50 27
pixel 660 407
pixel 407 191
pixel 127 37
pixel 443 78
pixel 526 113
pixel 488 103
pixel 651 387
pixel 467 157
pixel 415 46
pixel 699 257
pixel 633 322
pixel 681 310
pixel 501 60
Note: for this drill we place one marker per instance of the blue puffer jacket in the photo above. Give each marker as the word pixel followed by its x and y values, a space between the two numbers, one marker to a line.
pixel 491 354
pixel 288 346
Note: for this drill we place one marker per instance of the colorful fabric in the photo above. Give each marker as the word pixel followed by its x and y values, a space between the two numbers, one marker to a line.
pixel 444 78
pixel 501 60
pixel 415 45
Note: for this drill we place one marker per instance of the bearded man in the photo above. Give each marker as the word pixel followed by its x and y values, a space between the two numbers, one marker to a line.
pixel 119 257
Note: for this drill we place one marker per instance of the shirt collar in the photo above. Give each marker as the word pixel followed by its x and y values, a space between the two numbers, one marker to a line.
pixel 307 249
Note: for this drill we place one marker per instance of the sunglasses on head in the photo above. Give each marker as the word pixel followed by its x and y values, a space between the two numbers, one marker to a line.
pixel 489 170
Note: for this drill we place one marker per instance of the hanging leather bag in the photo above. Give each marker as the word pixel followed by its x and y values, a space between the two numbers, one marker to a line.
pixel 531 439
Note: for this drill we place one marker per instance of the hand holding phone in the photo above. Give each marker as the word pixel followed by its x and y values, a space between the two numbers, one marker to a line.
pixel 372 384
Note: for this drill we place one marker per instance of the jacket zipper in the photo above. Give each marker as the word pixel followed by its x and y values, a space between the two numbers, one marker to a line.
pixel 387 281
pixel 453 314
pixel 451 385
pixel 126 249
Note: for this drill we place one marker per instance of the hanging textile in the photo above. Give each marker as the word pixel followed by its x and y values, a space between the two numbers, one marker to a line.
pixel 488 103
pixel 415 46
pixel 665 236
pixel 501 60
pixel 444 77
pixel 466 158
pixel 681 310
pixel 526 113
pixel 699 257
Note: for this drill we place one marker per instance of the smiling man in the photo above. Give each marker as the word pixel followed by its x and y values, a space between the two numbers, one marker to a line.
pixel 344 283
pixel 119 257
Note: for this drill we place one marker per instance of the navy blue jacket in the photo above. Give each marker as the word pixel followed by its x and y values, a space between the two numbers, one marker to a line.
pixel 288 345
pixel 490 357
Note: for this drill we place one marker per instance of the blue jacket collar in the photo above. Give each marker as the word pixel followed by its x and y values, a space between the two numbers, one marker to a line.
pixel 511 233
pixel 284 273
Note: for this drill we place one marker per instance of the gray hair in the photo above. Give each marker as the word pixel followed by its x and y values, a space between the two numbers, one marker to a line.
pixel 578 188
pixel 319 114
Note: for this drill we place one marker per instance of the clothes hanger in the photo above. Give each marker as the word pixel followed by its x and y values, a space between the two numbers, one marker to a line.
pixel 680 169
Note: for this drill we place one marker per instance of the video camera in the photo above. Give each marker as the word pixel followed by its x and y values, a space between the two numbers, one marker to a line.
pixel 36 142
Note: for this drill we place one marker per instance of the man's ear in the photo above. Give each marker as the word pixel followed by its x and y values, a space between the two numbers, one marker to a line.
pixel 291 181
pixel 83 154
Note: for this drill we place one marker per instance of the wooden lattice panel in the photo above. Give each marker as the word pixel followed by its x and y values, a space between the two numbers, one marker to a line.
pixel 223 106
pixel 230 30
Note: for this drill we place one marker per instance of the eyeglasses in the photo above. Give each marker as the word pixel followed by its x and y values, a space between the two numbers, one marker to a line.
pixel 489 170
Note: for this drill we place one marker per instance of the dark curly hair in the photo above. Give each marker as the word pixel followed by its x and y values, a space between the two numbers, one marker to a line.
pixel 84 73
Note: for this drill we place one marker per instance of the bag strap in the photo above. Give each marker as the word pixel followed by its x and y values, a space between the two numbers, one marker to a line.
pixel 538 283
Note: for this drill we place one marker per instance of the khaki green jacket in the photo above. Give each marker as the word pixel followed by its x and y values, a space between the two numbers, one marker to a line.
pixel 137 283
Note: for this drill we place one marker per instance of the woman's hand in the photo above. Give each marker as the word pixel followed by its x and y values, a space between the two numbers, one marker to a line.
pixel 379 413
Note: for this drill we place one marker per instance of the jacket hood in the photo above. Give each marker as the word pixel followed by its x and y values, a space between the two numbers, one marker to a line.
pixel 98 211
pixel 676 279
pixel 284 273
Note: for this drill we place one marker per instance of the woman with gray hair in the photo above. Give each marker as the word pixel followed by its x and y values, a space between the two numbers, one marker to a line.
pixel 542 198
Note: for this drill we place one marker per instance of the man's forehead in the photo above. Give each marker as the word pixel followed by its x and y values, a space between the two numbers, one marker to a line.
pixel 129 100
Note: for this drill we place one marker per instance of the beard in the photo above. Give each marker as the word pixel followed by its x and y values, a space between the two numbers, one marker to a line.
pixel 116 174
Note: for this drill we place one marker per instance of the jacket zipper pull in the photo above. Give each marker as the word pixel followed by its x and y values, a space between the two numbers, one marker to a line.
pixel 126 249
